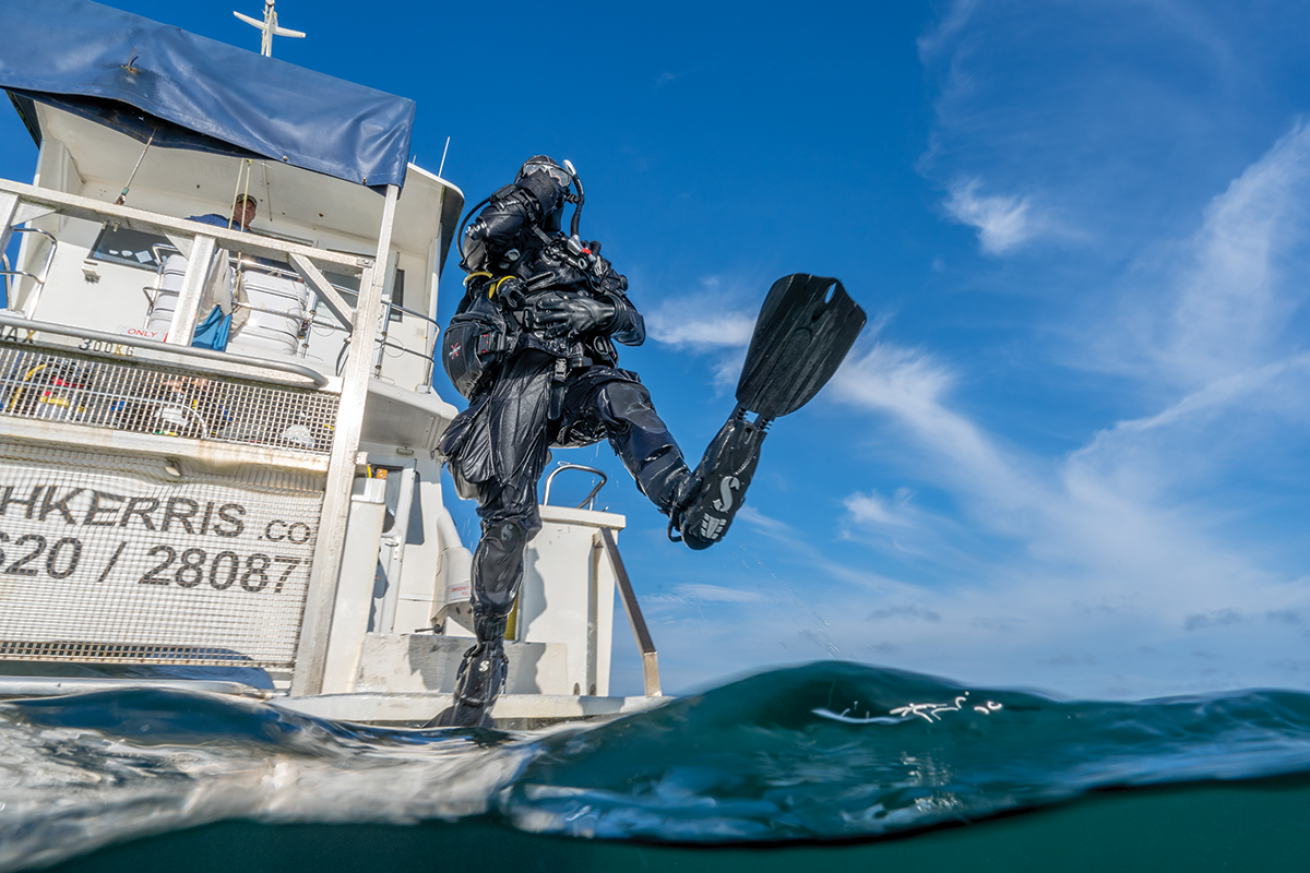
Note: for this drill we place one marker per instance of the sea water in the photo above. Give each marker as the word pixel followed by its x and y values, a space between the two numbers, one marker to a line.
pixel 830 765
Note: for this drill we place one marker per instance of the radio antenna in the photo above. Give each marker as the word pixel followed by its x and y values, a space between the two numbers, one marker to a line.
pixel 269 27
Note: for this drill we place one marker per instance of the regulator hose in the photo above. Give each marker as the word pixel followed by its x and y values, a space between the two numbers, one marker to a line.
pixel 582 198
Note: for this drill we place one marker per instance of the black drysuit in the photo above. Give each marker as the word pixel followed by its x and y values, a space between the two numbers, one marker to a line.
pixel 497 448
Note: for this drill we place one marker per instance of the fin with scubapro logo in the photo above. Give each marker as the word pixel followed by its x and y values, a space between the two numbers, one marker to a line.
pixel 806 327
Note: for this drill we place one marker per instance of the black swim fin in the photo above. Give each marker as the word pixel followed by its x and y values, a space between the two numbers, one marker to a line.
pixel 806 327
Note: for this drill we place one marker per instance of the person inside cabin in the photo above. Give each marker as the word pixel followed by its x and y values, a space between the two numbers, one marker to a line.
pixel 243 212
pixel 244 209
pixel 224 306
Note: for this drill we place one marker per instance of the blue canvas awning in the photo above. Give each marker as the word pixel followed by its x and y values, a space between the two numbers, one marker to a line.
pixel 103 63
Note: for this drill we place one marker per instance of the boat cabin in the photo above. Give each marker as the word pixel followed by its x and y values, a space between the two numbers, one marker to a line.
pixel 217 438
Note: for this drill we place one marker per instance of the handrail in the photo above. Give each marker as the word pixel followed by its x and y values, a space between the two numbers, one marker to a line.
pixel 38 281
pixel 603 541
pixel 315 377
pixel 383 344
pixel 426 318
pixel 590 499
pixel 311 321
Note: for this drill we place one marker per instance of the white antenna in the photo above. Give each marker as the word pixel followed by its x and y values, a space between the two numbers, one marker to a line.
pixel 269 27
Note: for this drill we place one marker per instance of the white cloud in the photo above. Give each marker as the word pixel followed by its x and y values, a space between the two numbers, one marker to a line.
pixel 716 594
pixel 705 322
pixel 1130 559
pixel 775 527
pixel 917 613
pixel 872 509
pixel 714 323
pixel 933 40
pixel 1230 306
pixel 681 328
pixel 1083 567
pixel 910 386
pixel 1003 223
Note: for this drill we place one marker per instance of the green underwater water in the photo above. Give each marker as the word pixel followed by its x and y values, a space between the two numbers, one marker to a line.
pixel 1262 825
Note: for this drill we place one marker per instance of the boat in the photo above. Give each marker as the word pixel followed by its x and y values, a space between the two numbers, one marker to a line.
pixel 263 517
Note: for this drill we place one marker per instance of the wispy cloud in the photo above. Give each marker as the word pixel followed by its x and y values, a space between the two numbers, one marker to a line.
pixel 701 332
pixel 1087 489
pixel 1217 618
pixel 917 613
pixel 872 508
pixel 1109 546
pixel 1232 303
pixel 717 323
pixel 936 38
pixel 1003 223
pixel 911 386
pixel 716 594
pixel 710 321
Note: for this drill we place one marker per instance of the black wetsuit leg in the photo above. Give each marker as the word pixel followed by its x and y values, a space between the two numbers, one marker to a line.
pixel 496 450
pixel 612 403
pixel 499 464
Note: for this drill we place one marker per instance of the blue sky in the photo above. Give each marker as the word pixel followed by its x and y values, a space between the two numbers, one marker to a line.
pixel 1069 452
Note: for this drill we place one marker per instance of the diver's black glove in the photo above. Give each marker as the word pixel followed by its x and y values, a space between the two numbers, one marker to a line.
pixel 570 316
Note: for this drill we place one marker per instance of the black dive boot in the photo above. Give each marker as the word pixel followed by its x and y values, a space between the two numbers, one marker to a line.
pixel 480 681
pixel 719 483
pixel 481 676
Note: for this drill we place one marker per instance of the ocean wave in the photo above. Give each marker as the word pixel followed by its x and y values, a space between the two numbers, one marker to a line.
pixel 827 751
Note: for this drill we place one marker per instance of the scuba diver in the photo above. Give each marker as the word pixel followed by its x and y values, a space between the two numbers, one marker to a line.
pixel 532 346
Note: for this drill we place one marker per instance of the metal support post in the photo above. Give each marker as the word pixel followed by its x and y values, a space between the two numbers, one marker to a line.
pixel 311 655
pixel 650 665
pixel 8 210
pixel 336 304
pixel 187 314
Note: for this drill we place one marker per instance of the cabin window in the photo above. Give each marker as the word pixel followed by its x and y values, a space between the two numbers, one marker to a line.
pixel 398 295
pixel 348 286
pixel 131 248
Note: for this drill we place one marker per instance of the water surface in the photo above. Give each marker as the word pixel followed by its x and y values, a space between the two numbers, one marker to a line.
pixel 830 763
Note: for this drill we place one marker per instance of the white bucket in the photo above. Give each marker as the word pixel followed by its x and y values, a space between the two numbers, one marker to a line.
pixel 277 307
pixel 170 285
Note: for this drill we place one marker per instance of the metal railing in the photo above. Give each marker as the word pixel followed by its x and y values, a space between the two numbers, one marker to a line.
pixel 312 377
pixel 19 203
pixel 122 393
pixel 590 500
pixel 38 279
pixel 383 343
